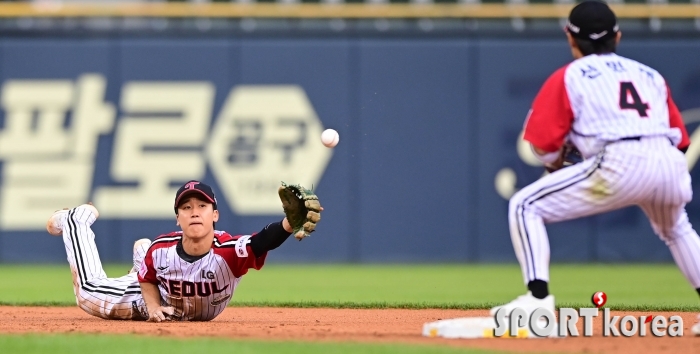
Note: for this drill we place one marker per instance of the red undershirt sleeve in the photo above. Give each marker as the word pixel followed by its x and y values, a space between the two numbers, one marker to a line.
pixel 676 121
pixel 550 117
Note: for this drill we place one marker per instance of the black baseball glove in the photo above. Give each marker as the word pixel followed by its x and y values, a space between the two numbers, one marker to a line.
pixel 569 155
pixel 302 208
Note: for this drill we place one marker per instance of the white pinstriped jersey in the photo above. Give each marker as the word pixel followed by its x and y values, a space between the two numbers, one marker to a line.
pixel 601 98
pixel 201 290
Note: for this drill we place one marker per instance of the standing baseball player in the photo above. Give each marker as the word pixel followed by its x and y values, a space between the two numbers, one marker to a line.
pixel 619 114
pixel 188 275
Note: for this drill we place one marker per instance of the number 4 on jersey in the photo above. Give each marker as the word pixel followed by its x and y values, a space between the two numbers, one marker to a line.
pixel 629 93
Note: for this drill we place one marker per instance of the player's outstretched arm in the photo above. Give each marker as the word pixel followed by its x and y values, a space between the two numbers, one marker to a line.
pixel 270 237
pixel 156 312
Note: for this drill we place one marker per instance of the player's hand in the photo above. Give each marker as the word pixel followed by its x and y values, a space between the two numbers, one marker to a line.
pixel 160 314
pixel 554 166
pixel 568 155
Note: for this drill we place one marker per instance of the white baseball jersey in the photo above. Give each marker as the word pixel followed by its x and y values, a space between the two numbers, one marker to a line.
pixel 199 290
pixel 620 115
pixel 601 98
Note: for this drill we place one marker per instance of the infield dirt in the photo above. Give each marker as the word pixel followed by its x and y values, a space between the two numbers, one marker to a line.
pixel 346 325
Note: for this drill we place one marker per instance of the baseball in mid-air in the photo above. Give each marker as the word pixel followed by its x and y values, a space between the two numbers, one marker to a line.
pixel 330 138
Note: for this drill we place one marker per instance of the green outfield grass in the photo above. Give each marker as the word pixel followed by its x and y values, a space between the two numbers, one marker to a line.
pixel 111 344
pixel 642 287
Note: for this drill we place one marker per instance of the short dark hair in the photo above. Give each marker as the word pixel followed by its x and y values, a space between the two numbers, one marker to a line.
pixel 590 47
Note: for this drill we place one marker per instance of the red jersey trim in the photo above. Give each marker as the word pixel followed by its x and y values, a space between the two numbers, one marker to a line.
pixel 147 274
pixel 676 120
pixel 237 253
pixel 551 117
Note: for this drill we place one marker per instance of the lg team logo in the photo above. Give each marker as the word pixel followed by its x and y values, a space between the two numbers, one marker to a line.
pixel 50 138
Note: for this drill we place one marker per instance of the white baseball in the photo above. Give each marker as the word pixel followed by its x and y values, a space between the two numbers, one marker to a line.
pixel 330 138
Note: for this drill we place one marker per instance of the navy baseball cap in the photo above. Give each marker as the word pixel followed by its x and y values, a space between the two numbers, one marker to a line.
pixel 197 187
pixel 592 20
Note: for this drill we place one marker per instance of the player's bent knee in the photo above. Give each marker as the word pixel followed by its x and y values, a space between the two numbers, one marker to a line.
pixel 516 204
pixel 669 235
pixel 90 308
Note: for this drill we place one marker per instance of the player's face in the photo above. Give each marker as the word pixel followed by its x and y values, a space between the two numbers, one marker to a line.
pixel 196 217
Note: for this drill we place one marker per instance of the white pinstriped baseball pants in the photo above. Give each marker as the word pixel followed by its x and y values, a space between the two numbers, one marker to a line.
pixel 95 293
pixel 649 173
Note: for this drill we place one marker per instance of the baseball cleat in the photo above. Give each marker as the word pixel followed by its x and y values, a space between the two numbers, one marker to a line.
pixel 55 223
pixel 140 249
pixel 696 328
pixel 528 303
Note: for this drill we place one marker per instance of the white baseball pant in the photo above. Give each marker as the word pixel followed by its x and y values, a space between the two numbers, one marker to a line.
pixel 95 293
pixel 650 173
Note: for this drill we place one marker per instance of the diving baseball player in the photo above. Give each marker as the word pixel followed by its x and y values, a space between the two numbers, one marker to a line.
pixel 188 275
pixel 619 114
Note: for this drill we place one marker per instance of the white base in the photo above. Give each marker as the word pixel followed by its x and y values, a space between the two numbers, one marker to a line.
pixel 473 327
